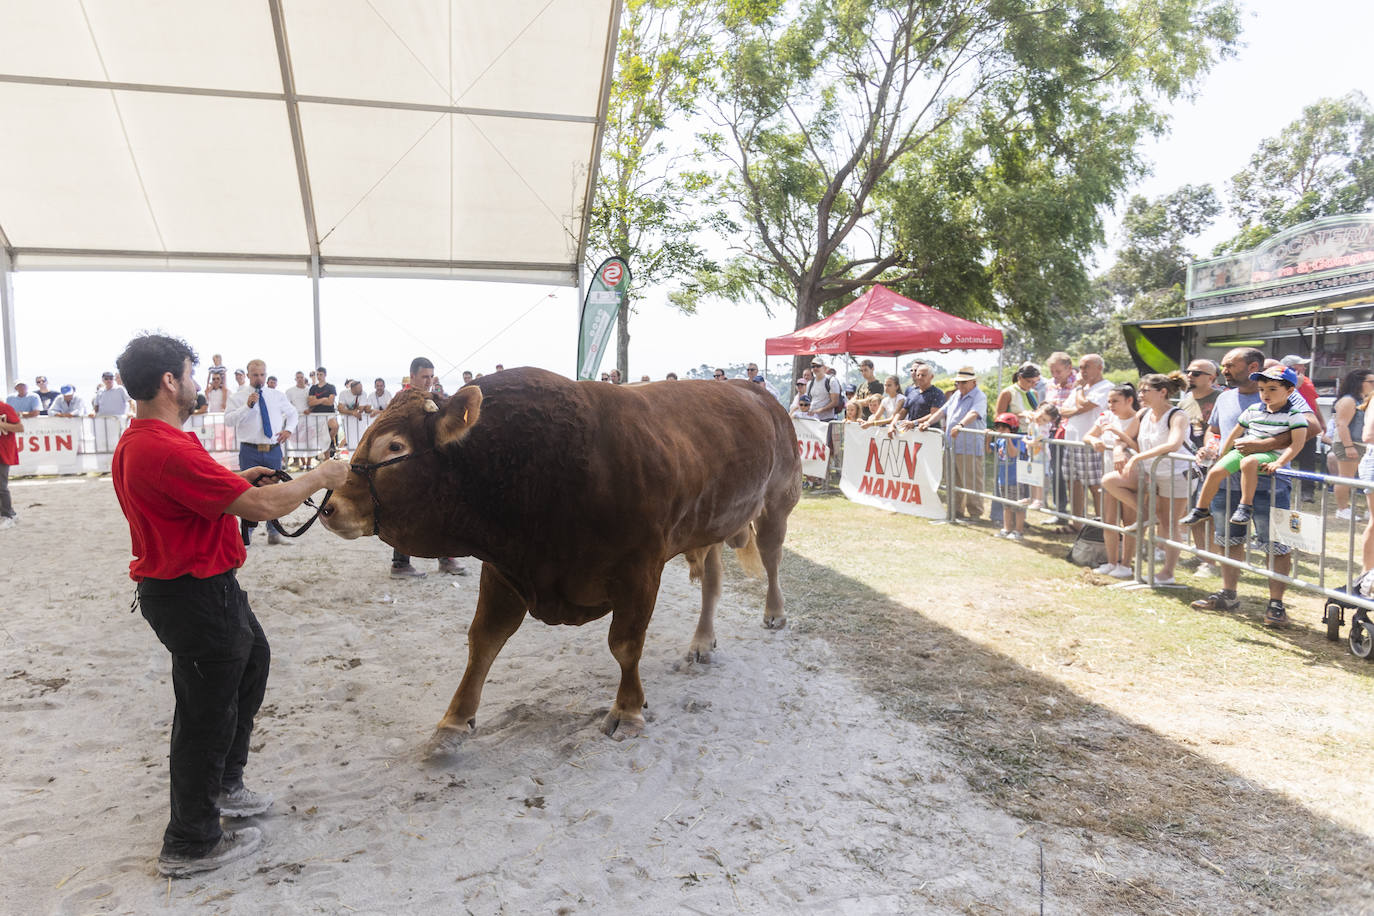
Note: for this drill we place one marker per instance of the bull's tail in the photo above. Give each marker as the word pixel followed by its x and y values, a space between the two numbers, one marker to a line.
pixel 746 545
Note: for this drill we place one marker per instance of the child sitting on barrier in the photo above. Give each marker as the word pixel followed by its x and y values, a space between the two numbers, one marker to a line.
pixel 1272 416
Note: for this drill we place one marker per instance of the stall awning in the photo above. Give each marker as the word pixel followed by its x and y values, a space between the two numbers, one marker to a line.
pixel 883 323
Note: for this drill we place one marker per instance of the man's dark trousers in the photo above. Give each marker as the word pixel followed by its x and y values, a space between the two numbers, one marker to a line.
pixel 251 457
pixel 220 659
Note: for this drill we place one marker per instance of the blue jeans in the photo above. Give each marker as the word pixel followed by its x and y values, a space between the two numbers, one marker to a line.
pixel 1223 505
pixel 250 457
pixel 1006 486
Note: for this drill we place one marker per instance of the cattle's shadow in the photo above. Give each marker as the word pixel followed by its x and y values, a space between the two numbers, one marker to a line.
pixel 1046 754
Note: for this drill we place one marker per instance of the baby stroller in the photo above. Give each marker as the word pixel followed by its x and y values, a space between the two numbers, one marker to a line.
pixel 1361 627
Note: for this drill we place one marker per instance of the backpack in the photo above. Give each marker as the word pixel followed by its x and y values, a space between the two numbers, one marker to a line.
pixel 1088 548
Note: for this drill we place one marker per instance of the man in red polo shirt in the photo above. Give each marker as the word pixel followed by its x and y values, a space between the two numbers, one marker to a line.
pixel 181 506
pixel 10 423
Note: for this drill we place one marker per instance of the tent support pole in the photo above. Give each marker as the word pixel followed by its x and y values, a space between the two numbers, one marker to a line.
pixel 7 332
pixel 315 298
pixel 998 387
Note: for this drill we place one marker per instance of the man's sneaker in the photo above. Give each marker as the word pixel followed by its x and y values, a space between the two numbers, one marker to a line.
pixel 1015 536
pixel 1275 615
pixel 273 538
pixel 6 522
pixel 1121 571
pixel 449 567
pixel 231 846
pixel 1242 515
pixel 1105 569
pixel 242 802
pixel 1343 514
pixel 1206 569
pixel 1217 602
pixel 1163 581
pixel 406 572
pixel 1196 516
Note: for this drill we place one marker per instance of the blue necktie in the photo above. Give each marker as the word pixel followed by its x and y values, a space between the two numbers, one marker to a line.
pixel 266 420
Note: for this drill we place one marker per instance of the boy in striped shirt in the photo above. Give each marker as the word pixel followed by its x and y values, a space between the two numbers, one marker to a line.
pixel 1272 416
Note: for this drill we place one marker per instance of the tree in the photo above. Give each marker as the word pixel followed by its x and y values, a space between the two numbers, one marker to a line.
pixel 947 146
pixel 1322 164
pixel 644 209
pixel 1146 279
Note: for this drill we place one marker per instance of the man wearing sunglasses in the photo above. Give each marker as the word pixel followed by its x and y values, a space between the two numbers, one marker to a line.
pixel 1197 402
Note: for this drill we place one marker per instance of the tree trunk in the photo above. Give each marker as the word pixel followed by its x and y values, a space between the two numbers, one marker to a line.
pixel 808 310
pixel 622 346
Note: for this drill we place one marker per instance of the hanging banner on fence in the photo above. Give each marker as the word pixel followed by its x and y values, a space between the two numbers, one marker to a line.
pixel 605 295
pixel 811 444
pixel 53 445
pixel 901 473
pixel 1030 471
pixel 1299 530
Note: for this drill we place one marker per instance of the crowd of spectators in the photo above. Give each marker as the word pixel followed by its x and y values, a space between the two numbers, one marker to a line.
pixel 1109 447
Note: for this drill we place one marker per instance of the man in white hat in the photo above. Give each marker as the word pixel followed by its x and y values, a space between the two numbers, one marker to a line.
pixel 966 408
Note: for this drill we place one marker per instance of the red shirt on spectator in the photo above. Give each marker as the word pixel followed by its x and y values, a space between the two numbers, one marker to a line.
pixel 174 496
pixel 9 442
pixel 1308 392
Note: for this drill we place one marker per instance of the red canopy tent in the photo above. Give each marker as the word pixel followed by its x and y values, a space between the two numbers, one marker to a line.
pixel 882 323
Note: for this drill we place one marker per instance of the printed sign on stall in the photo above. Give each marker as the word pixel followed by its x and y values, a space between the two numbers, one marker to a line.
pixel 54 445
pixel 811 444
pixel 901 473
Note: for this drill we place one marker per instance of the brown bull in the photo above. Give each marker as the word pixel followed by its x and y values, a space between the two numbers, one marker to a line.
pixel 574 495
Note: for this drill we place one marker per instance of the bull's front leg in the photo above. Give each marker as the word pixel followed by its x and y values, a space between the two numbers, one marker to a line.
pixel 634 605
pixel 500 610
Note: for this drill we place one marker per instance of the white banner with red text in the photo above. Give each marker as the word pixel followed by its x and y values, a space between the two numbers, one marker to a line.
pixel 66 445
pixel 811 444
pixel 901 472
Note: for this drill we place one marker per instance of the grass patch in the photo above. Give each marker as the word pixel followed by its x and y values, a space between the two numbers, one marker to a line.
pixel 1122 714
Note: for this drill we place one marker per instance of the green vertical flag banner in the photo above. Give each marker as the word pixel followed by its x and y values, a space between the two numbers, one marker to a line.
pixel 605 296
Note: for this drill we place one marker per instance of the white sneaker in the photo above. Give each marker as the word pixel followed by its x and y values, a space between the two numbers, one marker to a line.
pixel 1105 569
pixel 1001 534
pixel 1343 514
pixel 1015 536
pixel 6 522
pixel 1205 569
pixel 231 846
pixel 1163 580
pixel 1122 572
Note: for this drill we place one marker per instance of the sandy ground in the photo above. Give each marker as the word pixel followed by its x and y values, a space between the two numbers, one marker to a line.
pixel 767 782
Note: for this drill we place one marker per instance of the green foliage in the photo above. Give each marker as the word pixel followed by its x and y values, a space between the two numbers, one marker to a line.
pixel 960 153
pixel 1322 164
pixel 645 208
pixel 1146 279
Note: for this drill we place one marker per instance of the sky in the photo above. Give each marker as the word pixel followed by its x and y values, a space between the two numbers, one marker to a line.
pixel 70 326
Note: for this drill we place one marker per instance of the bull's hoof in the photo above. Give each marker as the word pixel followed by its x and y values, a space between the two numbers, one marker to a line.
pixel 446 739
pixel 774 621
pixel 621 726
pixel 700 652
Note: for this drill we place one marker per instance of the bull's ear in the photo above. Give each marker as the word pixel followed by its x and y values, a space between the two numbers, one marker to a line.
pixel 457 416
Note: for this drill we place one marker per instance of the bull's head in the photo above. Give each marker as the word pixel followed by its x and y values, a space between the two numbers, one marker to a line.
pixel 396 486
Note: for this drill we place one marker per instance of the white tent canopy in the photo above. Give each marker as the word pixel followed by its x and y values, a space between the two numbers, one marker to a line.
pixel 420 138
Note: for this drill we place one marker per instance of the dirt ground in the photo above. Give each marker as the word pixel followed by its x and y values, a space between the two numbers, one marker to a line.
pixel 911 743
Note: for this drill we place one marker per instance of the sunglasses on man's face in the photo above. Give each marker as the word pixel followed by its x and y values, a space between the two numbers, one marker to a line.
pixel 720 375
pixel 1198 372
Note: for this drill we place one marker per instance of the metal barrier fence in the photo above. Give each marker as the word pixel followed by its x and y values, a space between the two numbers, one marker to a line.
pixel 79 445
pixel 1305 539
pixel 1320 547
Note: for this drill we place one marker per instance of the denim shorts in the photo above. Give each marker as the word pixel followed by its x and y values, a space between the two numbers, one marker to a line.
pixel 1235 534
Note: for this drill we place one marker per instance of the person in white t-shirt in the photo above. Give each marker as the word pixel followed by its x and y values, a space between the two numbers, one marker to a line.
pixel 378 397
pixel 1079 412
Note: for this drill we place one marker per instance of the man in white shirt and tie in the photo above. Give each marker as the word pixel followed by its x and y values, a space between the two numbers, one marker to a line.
pixel 262 419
